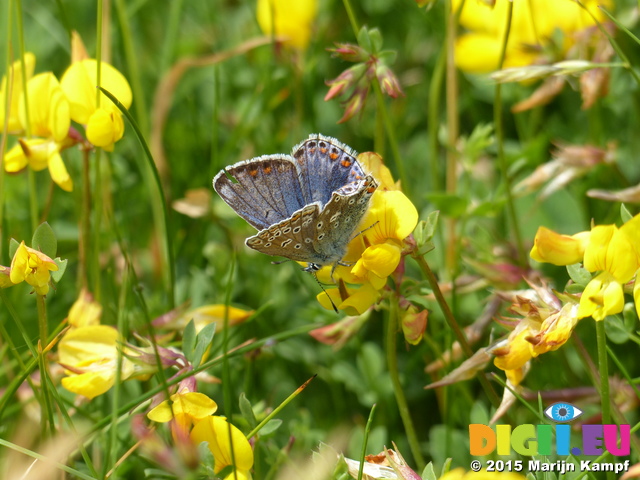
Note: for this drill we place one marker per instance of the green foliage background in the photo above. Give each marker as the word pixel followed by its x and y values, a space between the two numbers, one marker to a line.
pixel 262 102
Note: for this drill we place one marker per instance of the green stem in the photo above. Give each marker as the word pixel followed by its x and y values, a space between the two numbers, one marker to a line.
pixel 453 131
pixel 401 400
pixel 85 229
pixel 352 17
pixel 365 440
pixel 133 60
pixel 159 206
pixel 603 369
pixel 502 159
pixel 47 410
pixel 433 124
pixel 279 407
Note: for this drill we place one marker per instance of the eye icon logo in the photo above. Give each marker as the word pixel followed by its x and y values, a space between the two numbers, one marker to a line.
pixel 562 412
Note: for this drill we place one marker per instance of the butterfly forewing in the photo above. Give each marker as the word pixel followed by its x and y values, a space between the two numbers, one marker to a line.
pixel 267 189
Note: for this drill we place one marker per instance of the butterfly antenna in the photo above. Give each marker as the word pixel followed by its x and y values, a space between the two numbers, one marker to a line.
pixel 325 292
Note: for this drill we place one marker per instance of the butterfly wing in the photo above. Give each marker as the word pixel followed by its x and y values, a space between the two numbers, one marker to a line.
pixel 325 165
pixel 266 189
pixel 341 216
pixel 291 238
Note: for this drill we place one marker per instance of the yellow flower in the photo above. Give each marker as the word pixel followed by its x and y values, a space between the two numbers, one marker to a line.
pixel 220 435
pixel 39 154
pixel 33 267
pixel 551 247
pixel 89 355
pixel 555 330
pixel 289 19
pixel 85 311
pixel 207 314
pixel 14 126
pixel 103 121
pixel 356 301
pixel 49 123
pixel 517 352
pixel 5 277
pixel 186 408
pixel 391 218
pixel 612 251
pixel 533 23
pixel 375 253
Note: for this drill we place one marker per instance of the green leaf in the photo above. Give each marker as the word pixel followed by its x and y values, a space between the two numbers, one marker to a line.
pixel 376 40
pixel 363 39
pixel 579 274
pixel 44 240
pixel 62 267
pixel 271 426
pixel 189 340
pixel 624 213
pixel 615 329
pixel 203 342
pixel 429 473
pixel 247 411
pixel 13 246
pixel 426 229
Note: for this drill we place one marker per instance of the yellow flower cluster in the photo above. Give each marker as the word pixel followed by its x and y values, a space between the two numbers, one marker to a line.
pixel 611 251
pixel 187 409
pixel 41 116
pixel 31 266
pixel 376 252
pixel 534 23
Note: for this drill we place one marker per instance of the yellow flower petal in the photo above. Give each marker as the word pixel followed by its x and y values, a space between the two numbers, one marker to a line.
pixel 206 314
pixel 290 19
pixel 602 296
pixel 85 311
pixel 220 434
pixel 87 343
pixel 90 384
pixel 5 277
pixel 551 247
pixel 48 108
pixel 104 128
pixel 391 215
pixel 381 259
pixel 79 84
pixel 15 159
pixel 194 405
pixel 372 162
pixel 33 267
pixel 59 173
pixel 14 125
pixel 516 354
pixel 357 302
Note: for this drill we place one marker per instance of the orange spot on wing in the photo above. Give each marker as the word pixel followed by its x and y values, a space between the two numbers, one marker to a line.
pixel 267 170
pixel 333 156
pixel 346 163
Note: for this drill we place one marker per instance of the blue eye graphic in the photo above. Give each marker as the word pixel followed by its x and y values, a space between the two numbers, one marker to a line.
pixel 562 412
